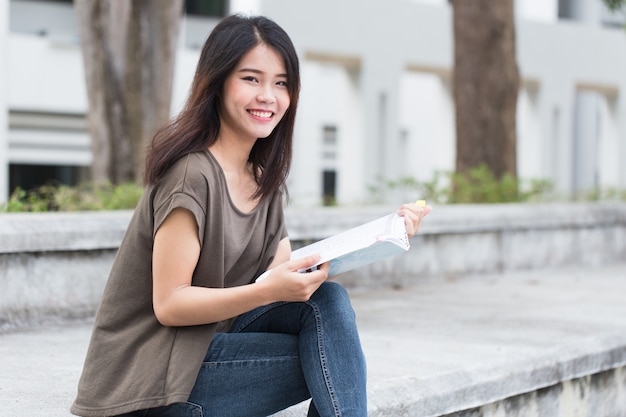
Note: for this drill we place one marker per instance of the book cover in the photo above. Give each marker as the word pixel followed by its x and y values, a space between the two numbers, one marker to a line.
pixel 360 246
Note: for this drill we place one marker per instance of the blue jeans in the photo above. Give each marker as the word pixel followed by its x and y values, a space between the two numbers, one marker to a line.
pixel 281 354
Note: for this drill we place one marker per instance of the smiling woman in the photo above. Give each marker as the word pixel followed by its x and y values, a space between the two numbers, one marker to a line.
pixel 183 328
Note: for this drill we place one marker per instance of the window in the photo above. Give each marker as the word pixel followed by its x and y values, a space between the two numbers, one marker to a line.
pixel 28 176
pixel 329 143
pixel 565 9
pixel 207 8
pixel 329 187
pixel 329 165
pixel 330 135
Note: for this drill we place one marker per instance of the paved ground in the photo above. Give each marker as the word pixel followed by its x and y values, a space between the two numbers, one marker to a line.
pixel 436 347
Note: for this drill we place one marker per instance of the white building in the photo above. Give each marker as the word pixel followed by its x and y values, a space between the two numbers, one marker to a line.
pixel 376 98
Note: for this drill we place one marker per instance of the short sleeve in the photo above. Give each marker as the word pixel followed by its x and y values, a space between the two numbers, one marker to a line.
pixel 184 201
pixel 283 228
pixel 279 216
pixel 181 187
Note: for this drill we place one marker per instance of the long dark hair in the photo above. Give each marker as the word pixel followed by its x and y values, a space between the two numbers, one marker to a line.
pixel 198 124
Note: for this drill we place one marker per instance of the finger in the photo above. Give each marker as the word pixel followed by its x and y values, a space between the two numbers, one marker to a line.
pixel 420 211
pixel 413 219
pixel 410 208
pixel 303 263
pixel 411 215
pixel 411 227
pixel 325 268
pixel 319 275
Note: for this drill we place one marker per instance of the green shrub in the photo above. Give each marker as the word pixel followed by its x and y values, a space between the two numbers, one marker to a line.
pixel 87 196
pixel 601 194
pixel 478 185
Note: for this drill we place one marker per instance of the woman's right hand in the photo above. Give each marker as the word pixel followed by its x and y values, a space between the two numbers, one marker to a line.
pixel 285 283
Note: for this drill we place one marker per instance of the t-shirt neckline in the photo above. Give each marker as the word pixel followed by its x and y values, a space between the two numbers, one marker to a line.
pixel 227 192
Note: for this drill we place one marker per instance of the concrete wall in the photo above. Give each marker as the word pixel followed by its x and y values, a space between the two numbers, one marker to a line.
pixel 597 395
pixel 54 266
pixel 4 127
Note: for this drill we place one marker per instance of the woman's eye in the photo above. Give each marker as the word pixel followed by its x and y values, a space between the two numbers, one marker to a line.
pixel 250 78
pixel 282 83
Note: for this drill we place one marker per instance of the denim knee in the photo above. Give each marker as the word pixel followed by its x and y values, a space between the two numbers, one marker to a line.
pixel 333 296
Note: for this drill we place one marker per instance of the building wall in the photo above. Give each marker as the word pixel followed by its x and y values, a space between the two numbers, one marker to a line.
pixel 378 73
pixel 405 56
pixel 4 32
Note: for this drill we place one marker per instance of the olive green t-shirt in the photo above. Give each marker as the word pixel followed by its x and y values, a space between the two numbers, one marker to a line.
pixel 133 362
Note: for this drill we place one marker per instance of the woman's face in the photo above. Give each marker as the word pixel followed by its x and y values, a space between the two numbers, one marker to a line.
pixel 255 95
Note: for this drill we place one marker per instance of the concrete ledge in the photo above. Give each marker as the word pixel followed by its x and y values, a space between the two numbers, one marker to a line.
pixel 58 231
pixel 55 265
pixel 474 320
pixel 318 223
pixel 62 231
pixel 49 287
pixel 532 344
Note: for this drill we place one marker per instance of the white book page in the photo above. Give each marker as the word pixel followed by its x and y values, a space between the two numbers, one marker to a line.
pixel 384 228
pixel 387 228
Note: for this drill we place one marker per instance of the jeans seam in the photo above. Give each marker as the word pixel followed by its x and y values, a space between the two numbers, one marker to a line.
pixel 199 409
pixel 323 360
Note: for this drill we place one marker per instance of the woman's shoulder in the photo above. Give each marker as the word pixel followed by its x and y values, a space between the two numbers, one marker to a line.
pixel 195 166
pixel 193 162
pixel 189 183
pixel 193 173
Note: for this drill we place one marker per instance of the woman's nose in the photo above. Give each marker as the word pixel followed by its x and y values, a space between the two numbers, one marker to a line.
pixel 266 95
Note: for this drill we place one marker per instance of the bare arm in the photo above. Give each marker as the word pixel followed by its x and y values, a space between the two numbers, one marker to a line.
pixel 283 253
pixel 177 303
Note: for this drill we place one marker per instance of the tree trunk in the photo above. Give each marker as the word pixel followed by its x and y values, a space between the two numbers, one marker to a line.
pixel 486 82
pixel 129 55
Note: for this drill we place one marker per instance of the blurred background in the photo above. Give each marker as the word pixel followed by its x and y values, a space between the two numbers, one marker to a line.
pixel 539 98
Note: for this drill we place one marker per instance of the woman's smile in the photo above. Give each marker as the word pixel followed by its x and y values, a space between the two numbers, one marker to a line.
pixel 266 115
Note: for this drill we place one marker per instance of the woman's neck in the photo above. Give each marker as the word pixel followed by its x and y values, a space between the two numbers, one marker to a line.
pixel 238 172
pixel 232 156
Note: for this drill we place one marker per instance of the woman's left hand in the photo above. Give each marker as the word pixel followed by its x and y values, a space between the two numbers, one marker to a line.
pixel 413 216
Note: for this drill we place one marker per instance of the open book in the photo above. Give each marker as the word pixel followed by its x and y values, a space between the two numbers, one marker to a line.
pixel 359 246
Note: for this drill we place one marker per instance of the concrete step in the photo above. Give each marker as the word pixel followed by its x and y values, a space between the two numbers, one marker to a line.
pixel 534 343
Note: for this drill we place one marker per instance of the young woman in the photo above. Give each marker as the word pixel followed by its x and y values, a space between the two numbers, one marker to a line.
pixel 183 328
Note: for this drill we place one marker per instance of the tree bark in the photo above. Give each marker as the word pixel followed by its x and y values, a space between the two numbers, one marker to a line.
pixel 486 83
pixel 129 55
